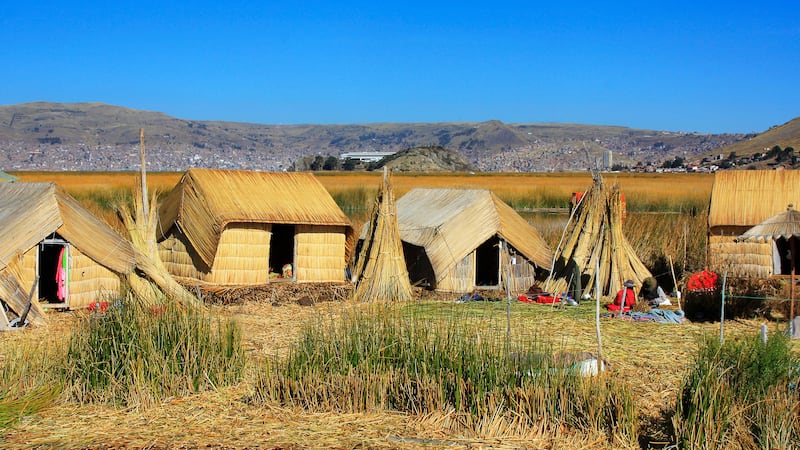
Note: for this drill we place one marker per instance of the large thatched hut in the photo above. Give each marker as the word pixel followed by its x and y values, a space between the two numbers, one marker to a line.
pixel 457 240
pixel 229 227
pixel 47 234
pixel 739 201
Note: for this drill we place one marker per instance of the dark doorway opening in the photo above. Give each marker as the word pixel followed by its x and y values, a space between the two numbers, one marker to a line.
pixel 281 249
pixel 785 254
pixel 487 263
pixel 420 271
pixel 53 260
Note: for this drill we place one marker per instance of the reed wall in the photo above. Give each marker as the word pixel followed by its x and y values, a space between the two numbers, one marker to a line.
pixel 320 253
pixel 522 273
pixel 740 259
pixel 174 253
pixel 89 281
pixel 243 255
pixel 461 278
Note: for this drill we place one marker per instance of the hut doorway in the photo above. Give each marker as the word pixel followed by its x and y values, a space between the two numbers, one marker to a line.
pixel 53 268
pixel 420 271
pixel 487 263
pixel 783 257
pixel 281 250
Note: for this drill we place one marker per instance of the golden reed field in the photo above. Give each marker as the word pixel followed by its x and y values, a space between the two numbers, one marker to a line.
pixel 659 191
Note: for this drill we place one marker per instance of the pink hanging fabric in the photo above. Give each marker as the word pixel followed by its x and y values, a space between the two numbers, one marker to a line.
pixel 61 275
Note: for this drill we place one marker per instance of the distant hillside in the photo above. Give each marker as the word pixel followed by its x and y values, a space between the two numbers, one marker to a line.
pixel 786 135
pixel 426 159
pixel 96 136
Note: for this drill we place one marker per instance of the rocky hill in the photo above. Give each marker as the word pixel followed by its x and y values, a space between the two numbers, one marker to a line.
pixel 96 136
pixel 426 159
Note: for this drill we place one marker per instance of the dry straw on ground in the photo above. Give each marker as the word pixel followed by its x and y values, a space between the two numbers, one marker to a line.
pixel 652 357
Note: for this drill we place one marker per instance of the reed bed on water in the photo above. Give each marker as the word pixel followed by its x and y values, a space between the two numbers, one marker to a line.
pixel 136 354
pixel 740 394
pixel 393 358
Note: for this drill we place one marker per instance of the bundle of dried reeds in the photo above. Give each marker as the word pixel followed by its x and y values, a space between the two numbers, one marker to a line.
pixel 380 273
pixel 141 224
pixel 595 234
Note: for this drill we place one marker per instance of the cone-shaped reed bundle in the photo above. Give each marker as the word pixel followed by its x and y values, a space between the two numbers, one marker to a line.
pixel 141 224
pixel 595 233
pixel 380 273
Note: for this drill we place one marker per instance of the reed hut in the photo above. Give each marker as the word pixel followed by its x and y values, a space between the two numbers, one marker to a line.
pixel 77 258
pixel 741 200
pixel 229 227
pixel 458 240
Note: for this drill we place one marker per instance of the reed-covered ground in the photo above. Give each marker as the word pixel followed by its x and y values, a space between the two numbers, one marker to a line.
pixel 649 362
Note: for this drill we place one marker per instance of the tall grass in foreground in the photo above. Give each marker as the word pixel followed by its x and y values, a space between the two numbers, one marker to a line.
pixel 137 355
pixel 27 381
pixel 741 394
pixel 388 358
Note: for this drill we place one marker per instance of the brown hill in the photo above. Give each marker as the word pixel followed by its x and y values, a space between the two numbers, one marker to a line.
pixel 786 135
pixel 96 136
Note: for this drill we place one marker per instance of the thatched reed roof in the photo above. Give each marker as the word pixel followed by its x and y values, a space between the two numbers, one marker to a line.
pixel 206 200
pixel 784 225
pixel 748 197
pixel 30 212
pixel 451 223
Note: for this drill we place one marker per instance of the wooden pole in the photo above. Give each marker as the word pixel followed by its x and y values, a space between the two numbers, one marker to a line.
pixel 597 318
pixel 722 310
pixel 145 205
pixel 508 295
pixel 793 246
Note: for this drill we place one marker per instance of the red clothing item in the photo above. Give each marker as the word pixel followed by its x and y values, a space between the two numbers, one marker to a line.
pixel 630 300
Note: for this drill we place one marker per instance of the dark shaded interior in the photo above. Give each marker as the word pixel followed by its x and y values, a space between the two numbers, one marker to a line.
pixel 48 266
pixel 420 271
pixel 785 253
pixel 281 247
pixel 487 263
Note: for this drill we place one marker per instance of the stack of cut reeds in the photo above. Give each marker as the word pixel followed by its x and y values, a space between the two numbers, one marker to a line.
pixel 594 233
pixel 141 223
pixel 380 273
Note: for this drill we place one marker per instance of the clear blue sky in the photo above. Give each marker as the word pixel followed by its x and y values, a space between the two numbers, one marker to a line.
pixel 680 66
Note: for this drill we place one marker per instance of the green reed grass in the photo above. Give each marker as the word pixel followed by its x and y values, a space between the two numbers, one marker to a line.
pixel 137 355
pixel 355 202
pixel 391 358
pixel 740 393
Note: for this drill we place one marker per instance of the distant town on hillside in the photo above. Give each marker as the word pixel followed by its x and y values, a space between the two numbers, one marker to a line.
pixel 99 137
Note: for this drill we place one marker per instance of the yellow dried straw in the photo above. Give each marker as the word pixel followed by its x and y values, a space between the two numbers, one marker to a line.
pixel 381 273
pixel 142 224
pixel 596 234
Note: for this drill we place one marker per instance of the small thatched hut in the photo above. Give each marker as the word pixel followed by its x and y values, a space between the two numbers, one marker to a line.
pixel 46 233
pixel 741 200
pixel 229 227
pixel 457 240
